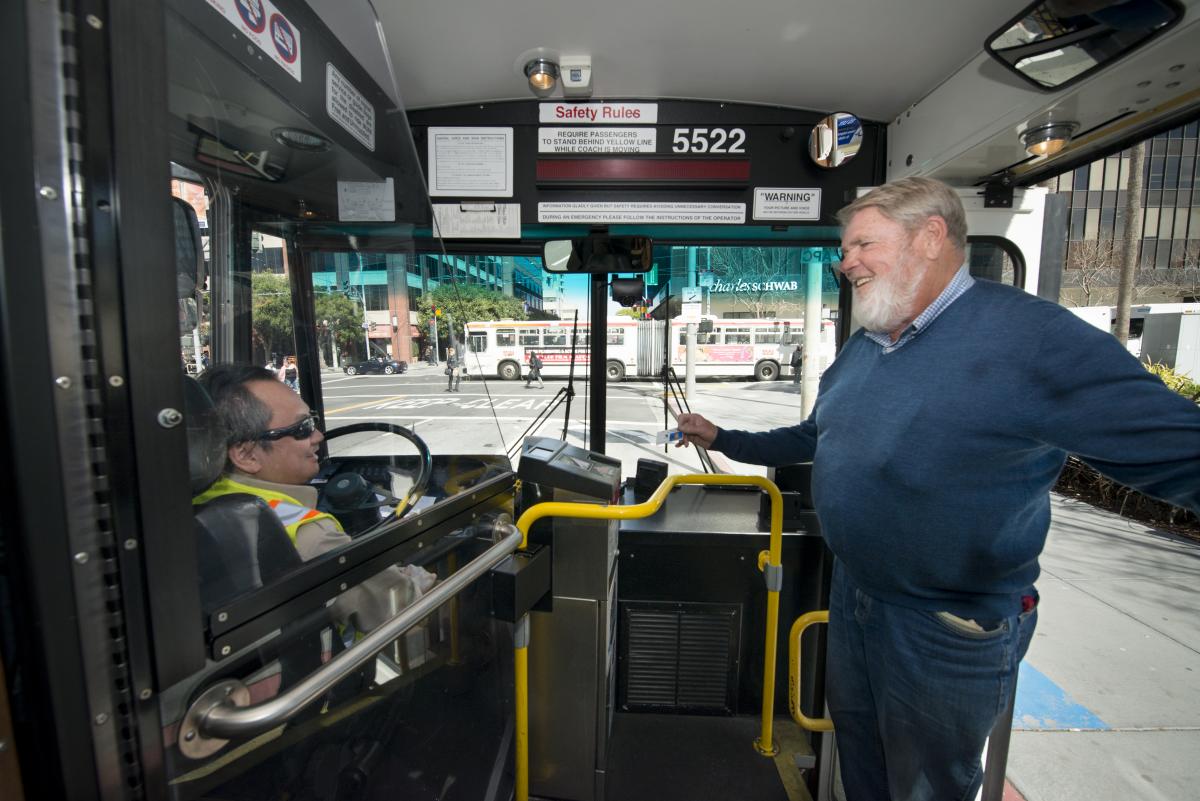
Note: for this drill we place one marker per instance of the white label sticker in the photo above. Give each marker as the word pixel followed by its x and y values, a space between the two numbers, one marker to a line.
pixel 267 27
pixel 597 140
pixel 642 212
pixel 477 220
pixel 367 201
pixel 349 108
pixel 599 113
pixel 787 203
pixel 471 162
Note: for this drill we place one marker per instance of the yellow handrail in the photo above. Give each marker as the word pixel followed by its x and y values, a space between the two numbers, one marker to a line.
pixel 769 561
pixel 803 622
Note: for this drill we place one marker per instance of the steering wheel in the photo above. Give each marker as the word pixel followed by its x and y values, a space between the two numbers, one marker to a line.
pixel 420 483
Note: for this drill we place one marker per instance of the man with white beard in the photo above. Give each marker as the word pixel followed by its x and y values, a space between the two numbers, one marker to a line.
pixel 935 439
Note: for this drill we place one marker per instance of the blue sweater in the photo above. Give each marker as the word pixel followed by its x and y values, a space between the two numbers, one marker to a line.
pixel 932 464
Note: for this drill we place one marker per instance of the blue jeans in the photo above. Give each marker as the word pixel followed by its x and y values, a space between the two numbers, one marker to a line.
pixel 914 694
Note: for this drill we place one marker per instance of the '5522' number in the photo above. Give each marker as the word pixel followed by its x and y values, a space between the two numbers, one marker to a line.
pixel 708 140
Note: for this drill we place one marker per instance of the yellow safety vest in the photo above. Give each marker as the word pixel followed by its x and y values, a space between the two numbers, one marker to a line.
pixel 290 511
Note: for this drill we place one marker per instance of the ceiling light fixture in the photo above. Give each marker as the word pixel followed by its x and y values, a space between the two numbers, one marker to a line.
pixel 542 75
pixel 300 139
pixel 1048 139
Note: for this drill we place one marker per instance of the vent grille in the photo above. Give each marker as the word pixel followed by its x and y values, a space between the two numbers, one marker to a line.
pixel 679 657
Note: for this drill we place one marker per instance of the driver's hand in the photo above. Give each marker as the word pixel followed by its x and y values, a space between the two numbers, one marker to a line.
pixel 696 430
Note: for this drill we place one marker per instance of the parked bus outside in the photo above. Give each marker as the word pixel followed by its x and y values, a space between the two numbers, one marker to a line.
pixel 759 348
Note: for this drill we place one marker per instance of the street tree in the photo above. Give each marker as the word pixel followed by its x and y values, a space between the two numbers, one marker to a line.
pixel 760 279
pixel 467 303
pixel 271 303
pixel 339 319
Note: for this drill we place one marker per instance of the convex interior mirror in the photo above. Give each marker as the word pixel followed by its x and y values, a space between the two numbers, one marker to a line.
pixel 1054 43
pixel 599 253
pixel 835 139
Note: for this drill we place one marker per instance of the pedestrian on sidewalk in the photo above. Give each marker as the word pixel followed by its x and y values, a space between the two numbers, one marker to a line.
pixel 535 371
pixel 797 364
pixel 453 370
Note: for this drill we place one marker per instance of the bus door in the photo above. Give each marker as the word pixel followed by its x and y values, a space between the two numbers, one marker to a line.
pixel 218 645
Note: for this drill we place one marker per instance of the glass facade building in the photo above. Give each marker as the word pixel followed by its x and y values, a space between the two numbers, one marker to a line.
pixel 1168 228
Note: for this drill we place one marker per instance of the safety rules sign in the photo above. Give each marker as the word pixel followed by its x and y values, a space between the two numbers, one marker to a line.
pixel 597 140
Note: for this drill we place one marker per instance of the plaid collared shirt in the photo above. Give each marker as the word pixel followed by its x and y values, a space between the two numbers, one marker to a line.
pixel 960 283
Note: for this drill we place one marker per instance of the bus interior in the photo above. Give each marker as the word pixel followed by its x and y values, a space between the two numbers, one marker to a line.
pixel 242 181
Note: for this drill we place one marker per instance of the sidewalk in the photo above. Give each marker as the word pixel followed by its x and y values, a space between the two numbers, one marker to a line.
pixel 1108 700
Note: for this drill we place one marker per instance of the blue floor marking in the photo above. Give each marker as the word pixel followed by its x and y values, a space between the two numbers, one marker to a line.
pixel 1043 705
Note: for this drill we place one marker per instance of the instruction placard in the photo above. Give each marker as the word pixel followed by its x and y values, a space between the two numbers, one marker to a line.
pixel 642 212
pixel 471 162
pixel 367 201
pixel 349 108
pixel 477 220
pixel 597 140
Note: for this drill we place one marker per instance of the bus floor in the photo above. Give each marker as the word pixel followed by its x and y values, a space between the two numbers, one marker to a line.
pixel 695 757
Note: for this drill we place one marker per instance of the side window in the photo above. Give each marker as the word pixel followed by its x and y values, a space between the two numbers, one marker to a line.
pixel 767 336
pixel 616 336
pixel 478 343
pixel 995 259
pixel 555 338
pixel 506 337
pixel 530 337
pixel 737 336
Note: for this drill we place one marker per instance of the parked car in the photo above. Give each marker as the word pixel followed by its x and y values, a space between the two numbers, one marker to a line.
pixel 377 365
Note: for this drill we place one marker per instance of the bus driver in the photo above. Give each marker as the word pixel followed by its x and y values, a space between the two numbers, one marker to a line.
pixel 272 440
pixel 935 439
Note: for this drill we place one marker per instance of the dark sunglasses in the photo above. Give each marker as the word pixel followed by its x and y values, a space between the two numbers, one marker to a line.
pixel 301 430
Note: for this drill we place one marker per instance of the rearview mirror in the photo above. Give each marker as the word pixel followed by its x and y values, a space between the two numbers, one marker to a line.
pixel 599 253
pixel 1054 43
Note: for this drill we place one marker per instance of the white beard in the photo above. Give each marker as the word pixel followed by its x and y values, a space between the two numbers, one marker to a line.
pixel 888 302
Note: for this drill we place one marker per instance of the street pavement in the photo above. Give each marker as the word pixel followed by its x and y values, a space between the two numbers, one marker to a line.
pixel 491 416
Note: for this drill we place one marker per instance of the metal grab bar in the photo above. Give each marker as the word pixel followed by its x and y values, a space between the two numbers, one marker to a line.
pixel 221 718
pixel 803 622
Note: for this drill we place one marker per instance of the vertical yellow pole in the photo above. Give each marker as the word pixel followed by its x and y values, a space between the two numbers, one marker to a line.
pixel 521 666
pixel 771 563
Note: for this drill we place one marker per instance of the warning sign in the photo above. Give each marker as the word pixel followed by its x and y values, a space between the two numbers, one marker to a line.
pixel 597 140
pixel 642 212
pixel 787 203
pixel 265 25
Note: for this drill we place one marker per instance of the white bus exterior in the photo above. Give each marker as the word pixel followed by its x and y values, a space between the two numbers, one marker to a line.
pixel 1162 333
pixel 734 348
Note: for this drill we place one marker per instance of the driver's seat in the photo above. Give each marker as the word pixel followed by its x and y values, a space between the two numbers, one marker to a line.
pixel 241 545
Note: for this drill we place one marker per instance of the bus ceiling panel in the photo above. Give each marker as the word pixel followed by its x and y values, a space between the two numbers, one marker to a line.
pixel 278 109
pixel 970 127
pixel 734 164
pixel 864 56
